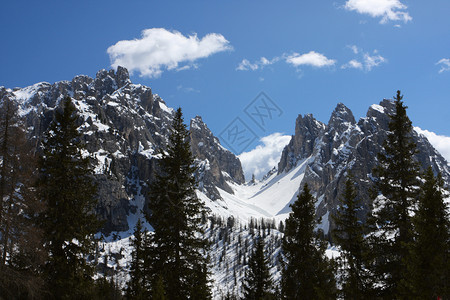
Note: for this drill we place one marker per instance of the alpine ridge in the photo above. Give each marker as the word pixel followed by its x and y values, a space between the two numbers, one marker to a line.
pixel 126 127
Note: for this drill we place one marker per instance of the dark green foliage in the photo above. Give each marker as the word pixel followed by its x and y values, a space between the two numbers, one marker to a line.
pixel 258 283
pixel 349 235
pixel 429 263
pixel 136 285
pixel 107 290
pixel 178 248
pixel 66 187
pixel 396 186
pixel 158 292
pixel 306 272
pixel 21 250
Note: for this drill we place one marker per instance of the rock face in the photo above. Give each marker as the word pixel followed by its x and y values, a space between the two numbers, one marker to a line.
pixel 123 127
pixel 217 165
pixel 307 129
pixel 344 145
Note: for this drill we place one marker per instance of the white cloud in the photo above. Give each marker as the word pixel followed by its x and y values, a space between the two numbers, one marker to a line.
pixel 445 64
pixel 440 142
pixel 187 89
pixel 353 64
pixel 388 10
pixel 159 49
pixel 373 61
pixel 311 58
pixel 264 157
pixel 246 65
pixel 354 48
pixel 366 62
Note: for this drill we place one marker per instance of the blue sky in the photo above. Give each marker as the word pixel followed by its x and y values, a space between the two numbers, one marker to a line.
pixel 215 57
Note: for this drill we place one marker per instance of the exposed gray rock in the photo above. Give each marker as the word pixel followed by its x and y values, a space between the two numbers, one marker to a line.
pixel 124 126
pixel 217 165
pixel 343 146
pixel 301 146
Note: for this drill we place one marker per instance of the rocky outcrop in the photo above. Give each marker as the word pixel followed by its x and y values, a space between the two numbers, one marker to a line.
pixel 124 125
pixel 307 130
pixel 344 146
pixel 217 165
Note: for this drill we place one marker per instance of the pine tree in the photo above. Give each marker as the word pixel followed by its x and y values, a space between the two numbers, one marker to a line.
pixel 107 289
pixel 158 292
pixel 21 251
pixel 306 272
pixel 258 283
pixel 136 285
pixel 396 187
pixel 178 247
pixel 349 235
pixel 429 263
pixel 66 186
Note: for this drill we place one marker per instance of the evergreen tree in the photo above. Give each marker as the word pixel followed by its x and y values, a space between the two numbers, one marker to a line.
pixel 66 186
pixel 158 292
pixel 258 283
pixel 349 235
pixel 306 272
pixel 107 290
pixel 178 246
pixel 429 264
pixel 21 251
pixel 396 187
pixel 136 285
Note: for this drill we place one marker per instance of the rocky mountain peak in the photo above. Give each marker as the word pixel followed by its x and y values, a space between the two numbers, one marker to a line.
pixel 217 164
pixel 378 116
pixel 106 82
pixel 301 146
pixel 385 108
pixel 124 125
pixel 122 77
pixel 198 124
pixel 341 117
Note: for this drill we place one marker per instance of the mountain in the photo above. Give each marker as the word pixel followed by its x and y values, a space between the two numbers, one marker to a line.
pixel 217 165
pixel 345 145
pixel 126 125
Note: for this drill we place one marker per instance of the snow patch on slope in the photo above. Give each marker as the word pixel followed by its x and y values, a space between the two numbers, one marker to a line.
pixel 269 198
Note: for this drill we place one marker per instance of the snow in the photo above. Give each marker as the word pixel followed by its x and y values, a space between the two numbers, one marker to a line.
pixel 118 154
pixel 147 153
pixel 269 198
pixel 377 108
pixel 26 93
pixel 138 201
pixel 325 225
pixel 101 126
pixel 86 112
pixel 164 107
pixel 332 252
pixel 194 124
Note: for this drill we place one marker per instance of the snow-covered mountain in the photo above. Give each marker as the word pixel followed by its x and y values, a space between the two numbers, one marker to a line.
pixel 124 125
